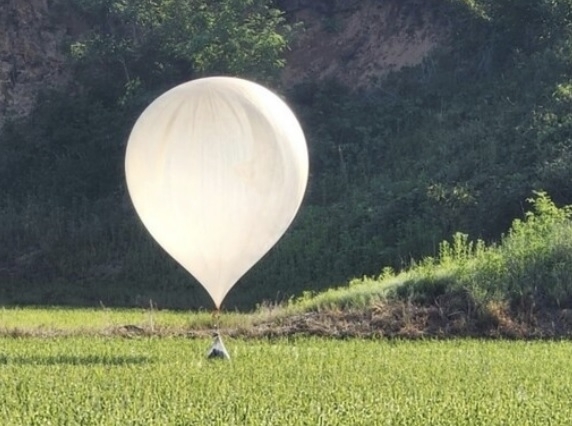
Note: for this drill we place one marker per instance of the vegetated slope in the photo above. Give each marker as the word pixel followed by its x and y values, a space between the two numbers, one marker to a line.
pixel 518 288
pixel 456 143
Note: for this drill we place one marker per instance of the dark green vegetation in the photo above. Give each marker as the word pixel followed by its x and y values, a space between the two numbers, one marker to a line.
pixel 456 144
pixel 520 287
pixel 94 381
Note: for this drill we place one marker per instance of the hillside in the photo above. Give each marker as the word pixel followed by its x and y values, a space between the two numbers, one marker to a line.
pixel 359 42
pixel 354 42
pixel 422 119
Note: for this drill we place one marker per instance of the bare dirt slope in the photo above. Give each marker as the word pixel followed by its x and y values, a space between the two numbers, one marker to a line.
pixel 31 55
pixel 353 41
pixel 357 42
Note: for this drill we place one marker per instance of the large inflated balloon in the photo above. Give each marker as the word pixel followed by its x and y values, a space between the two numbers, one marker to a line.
pixel 216 169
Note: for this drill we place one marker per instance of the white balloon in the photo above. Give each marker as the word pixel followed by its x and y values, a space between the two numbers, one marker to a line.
pixel 217 169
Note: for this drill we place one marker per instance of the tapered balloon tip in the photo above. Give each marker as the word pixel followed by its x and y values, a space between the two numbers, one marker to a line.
pixel 217 350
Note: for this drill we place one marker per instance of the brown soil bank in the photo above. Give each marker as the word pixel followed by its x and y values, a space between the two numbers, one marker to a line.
pixel 402 320
pixel 356 42
pixel 394 320
pixel 384 320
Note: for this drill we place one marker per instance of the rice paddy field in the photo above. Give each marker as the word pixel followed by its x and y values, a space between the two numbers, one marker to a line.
pixel 99 379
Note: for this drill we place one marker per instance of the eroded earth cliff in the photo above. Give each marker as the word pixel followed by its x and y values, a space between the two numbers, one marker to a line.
pixel 354 41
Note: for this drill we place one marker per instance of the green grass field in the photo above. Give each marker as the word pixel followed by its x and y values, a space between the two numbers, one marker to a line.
pixel 112 380
pixel 47 321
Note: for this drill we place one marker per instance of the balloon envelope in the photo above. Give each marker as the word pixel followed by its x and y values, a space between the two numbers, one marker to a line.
pixel 216 169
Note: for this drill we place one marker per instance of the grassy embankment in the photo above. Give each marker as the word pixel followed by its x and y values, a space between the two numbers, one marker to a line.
pixel 521 287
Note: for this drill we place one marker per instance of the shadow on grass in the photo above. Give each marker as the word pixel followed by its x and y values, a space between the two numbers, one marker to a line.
pixel 75 360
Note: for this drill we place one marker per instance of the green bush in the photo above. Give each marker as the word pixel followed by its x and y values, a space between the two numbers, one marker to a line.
pixel 531 267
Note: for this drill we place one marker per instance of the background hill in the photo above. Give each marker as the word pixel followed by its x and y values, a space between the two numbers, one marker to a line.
pixel 423 118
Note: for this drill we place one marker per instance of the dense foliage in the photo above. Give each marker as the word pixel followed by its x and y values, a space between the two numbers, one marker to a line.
pixel 530 268
pixel 456 144
pixel 525 278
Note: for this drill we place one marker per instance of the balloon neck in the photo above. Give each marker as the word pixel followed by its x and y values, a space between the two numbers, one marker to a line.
pixel 216 317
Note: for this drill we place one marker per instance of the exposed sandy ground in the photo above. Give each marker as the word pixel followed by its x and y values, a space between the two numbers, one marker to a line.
pixel 360 45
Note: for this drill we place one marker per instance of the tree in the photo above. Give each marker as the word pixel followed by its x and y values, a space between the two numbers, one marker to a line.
pixel 529 24
pixel 153 44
